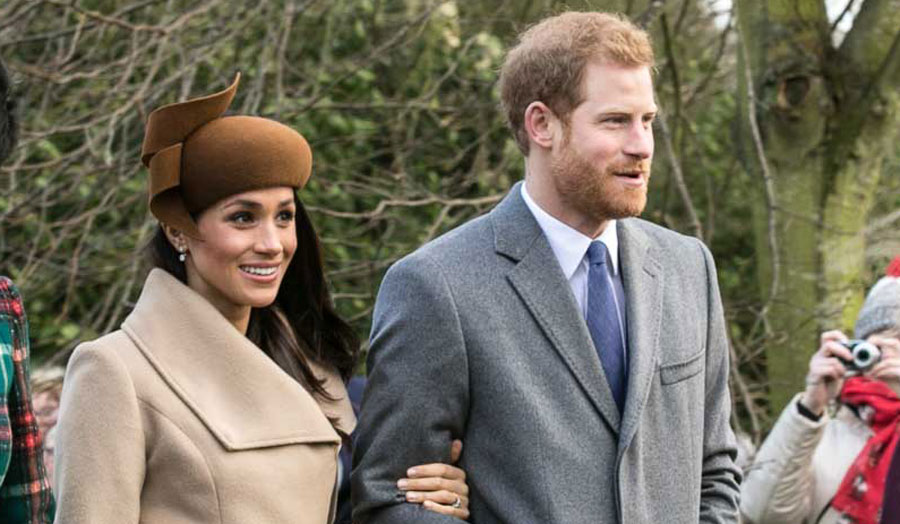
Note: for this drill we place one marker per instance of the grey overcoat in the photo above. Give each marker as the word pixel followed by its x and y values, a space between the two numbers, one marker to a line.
pixel 477 336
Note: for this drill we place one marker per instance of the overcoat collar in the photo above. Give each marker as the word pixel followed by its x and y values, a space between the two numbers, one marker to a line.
pixel 540 283
pixel 642 278
pixel 239 393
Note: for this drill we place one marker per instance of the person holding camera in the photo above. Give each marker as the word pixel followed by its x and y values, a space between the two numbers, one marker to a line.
pixel 819 467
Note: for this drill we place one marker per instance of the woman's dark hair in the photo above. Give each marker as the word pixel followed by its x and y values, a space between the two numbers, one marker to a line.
pixel 301 325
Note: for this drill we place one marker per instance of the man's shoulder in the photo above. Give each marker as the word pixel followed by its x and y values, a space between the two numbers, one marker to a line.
pixel 455 249
pixel 674 250
pixel 661 236
pixel 665 239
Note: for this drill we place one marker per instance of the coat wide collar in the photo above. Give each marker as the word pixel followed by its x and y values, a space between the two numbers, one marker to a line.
pixel 235 389
pixel 642 278
pixel 541 285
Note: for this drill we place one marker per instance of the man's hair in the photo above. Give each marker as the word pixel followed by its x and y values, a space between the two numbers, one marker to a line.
pixel 548 63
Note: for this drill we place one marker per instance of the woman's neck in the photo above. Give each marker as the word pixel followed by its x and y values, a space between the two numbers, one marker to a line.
pixel 236 314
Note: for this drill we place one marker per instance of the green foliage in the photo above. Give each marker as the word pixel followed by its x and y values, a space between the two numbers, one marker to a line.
pixel 398 99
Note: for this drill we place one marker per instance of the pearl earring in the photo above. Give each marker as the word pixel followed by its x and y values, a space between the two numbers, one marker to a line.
pixel 181 254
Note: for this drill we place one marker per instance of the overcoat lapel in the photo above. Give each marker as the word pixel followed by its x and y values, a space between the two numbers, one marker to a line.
pixel 642 280
pixel 540 283
pixel 238 392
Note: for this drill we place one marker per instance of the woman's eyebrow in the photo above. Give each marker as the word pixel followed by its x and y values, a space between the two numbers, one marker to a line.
pixel 252 204
pixel 243 203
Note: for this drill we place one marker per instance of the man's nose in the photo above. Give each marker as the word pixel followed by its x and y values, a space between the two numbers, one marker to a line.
pixel 640 141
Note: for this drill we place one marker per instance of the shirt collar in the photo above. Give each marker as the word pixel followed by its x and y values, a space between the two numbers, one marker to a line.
pixel 568 244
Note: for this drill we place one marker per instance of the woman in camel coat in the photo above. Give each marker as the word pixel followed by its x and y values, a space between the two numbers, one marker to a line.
pixel 221 399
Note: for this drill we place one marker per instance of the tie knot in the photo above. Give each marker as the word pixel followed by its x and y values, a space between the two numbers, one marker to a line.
pixel 597 253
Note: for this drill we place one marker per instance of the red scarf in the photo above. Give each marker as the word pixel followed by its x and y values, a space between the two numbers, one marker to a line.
pixel 862 490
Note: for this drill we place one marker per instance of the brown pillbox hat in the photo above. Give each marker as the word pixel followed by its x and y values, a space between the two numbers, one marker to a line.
pixel 197 157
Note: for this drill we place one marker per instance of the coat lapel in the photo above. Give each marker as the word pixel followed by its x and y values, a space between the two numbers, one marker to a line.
pixel 540 283
pixel 641 273
pixel 238 392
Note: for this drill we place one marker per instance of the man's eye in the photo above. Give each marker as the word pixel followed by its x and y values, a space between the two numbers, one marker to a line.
pixel 617 120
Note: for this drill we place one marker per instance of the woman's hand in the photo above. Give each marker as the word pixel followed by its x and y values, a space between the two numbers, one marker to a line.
pixel 887 369
pixel 439 487
pixel 826 372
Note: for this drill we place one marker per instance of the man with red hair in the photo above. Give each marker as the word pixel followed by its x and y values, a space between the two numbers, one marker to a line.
pixel 579 352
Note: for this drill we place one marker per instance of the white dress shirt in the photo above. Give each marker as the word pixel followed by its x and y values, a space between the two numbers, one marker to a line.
pixel 570 247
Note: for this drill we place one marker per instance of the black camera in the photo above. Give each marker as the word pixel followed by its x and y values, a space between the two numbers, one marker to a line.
pixel 865 355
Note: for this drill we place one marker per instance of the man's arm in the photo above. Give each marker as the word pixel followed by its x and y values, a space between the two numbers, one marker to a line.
pixel 720 485
pixel 416 398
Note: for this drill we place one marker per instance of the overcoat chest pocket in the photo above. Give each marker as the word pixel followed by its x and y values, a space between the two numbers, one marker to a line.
pixel 673 373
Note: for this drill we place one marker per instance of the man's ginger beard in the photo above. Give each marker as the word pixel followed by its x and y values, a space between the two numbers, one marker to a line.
pixel 594 192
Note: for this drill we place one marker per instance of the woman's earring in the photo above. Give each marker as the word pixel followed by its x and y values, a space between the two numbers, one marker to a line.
pixel 181 254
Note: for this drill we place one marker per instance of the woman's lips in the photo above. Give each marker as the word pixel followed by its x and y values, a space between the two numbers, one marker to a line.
pixel 259 273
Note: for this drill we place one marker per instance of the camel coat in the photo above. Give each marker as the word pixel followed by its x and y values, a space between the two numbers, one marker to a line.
pixel 179 418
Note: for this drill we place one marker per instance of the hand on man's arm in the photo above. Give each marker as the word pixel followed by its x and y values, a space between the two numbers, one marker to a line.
pixel 416 398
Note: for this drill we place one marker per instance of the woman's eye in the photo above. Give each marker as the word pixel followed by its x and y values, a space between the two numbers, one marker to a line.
pixel 286 216
pixel 241 217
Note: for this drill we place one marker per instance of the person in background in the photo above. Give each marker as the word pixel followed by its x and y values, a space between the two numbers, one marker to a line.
pixel 9 129
pixel 890 510
pixel 824 468
pixel 355 388
pixel 46 389
pixel 25 495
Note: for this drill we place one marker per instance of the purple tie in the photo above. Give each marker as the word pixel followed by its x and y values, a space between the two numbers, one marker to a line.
pixel 603 322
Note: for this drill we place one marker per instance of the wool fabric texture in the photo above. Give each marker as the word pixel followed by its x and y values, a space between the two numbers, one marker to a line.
pixel 881 310
pixel 197 157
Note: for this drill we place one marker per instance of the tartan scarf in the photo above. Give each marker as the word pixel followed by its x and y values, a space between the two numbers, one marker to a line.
pixel 862 490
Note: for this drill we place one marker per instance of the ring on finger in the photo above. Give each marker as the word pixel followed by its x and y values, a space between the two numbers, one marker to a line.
pixel 457 503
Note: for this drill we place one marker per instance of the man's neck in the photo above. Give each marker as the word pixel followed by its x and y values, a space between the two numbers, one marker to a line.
pixel 542 196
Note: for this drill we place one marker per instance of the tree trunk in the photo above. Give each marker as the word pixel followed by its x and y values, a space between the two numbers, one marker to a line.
pixel 826 118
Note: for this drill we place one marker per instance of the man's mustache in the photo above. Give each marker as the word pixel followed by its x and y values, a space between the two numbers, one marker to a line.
pixel 642 166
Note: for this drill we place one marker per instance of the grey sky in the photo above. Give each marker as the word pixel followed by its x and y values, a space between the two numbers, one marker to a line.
pixel 832 7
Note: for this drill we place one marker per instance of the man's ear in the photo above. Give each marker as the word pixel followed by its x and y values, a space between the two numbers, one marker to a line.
pixel 541 124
